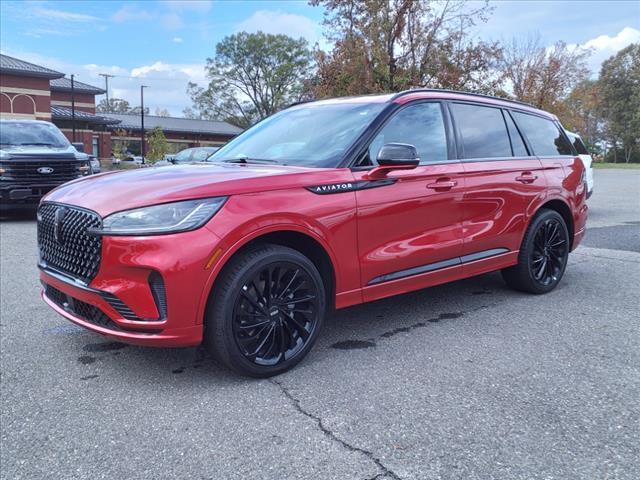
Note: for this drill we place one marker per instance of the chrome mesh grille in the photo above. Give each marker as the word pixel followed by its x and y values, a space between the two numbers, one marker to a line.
pixel 64 244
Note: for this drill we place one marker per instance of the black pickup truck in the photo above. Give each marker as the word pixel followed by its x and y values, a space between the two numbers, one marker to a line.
pixel 35 157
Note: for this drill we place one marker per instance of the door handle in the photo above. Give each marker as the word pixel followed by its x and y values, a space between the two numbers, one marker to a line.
pixel 442 184
pixel 526 177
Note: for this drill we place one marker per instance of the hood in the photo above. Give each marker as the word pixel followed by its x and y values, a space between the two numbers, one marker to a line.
pixel 115 191
pixel 25 151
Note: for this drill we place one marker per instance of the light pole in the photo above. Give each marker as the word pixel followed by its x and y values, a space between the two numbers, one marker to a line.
pixel 142 87
pixel 73 110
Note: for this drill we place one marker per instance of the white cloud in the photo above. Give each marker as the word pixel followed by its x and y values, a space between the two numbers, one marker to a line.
pixel 291 24
pixel 604 46
pixel 130 13
pixel 167 82
pixel 177 40
pixel 62 15
pixel 172 21
pixel 194 5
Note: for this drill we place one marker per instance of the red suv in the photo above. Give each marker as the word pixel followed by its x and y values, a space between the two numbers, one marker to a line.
pixel 323 205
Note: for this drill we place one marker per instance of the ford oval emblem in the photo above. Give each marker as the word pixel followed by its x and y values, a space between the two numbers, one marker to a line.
pixel 45 170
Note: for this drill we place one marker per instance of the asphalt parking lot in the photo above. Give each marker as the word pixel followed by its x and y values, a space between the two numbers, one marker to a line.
pixel 463 381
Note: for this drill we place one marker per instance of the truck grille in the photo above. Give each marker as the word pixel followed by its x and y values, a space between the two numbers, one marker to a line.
pixel 26 172
pixel 64 244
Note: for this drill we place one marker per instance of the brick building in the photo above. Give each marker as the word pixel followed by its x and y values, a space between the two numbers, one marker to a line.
pixel 32 91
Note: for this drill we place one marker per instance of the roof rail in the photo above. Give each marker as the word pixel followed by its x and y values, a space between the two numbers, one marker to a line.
pixel 445 90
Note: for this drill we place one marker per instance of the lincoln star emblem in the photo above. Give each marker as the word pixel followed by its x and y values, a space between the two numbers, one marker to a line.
pixel 57 224
pixel 45 170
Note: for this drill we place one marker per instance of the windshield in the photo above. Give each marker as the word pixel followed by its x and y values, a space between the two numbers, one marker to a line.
pixel 27 133
pixel 310 135
pixel 184 155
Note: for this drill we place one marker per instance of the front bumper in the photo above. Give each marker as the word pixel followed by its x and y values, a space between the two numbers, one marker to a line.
pixel 16 195
pixel 123 302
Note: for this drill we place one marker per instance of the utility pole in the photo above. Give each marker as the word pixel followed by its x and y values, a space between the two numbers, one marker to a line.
pixel 73 109
pixel 142 87
pixel 106 88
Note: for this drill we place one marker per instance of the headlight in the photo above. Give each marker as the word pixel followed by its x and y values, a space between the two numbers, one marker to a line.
pixel 165 218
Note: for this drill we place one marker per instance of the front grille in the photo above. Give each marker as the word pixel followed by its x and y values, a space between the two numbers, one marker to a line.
pixel 26 172
pixel 63 241
pixel 80 309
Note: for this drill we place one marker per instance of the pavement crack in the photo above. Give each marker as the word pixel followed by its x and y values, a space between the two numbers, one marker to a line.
pixel 385 471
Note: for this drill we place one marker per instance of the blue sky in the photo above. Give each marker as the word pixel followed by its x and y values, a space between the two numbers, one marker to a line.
pixel 164 44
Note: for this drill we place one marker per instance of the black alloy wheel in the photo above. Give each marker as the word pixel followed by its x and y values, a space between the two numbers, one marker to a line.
pixel 543 254
pixel 275 313
pixel 265 311
pixel 549 254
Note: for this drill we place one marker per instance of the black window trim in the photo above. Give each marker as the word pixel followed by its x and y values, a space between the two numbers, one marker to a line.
pixel 506 112
pixel 528 143
pixel 460 143
pixel 382 120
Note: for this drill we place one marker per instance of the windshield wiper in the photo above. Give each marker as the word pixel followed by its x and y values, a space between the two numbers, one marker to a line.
pixel 38 144
pixel 243 159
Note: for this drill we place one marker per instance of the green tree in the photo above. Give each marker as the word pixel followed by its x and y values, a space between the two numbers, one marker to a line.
pixel 619 85
pixel 158 145
pixel 118 105
pixel 391 45
pixel 251 76
pixel 115 105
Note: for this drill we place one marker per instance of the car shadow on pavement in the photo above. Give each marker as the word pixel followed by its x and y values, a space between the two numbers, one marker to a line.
pixel 358 327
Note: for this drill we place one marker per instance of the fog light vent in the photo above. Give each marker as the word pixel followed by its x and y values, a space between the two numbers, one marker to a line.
pixel 156 283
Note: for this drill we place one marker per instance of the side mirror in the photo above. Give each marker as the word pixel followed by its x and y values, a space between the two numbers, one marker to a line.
pixel 79 146
pixel 395 156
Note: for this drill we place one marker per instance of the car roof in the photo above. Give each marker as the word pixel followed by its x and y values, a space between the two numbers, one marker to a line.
pixel 436 94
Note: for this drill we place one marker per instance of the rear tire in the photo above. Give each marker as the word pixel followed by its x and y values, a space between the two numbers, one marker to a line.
pixel 265 311
pixel 543 255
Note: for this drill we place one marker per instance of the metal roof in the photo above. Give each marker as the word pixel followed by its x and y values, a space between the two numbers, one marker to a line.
pixel 64 85
pixel 174 124
pixel 15 66
pixel 64 113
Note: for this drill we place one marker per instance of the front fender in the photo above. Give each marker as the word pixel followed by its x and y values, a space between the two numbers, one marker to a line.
pixel 330 220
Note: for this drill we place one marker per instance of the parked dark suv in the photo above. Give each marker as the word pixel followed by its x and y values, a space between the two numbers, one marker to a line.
pixel 35 157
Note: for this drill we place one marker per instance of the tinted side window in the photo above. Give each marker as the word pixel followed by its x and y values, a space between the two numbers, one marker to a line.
pixel 484 133
pixel 421 125
pixel 517 144
pixel 543 135
pixel 579 145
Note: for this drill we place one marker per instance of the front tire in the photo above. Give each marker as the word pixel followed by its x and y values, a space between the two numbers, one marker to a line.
pixel 265 311
pixel 543 255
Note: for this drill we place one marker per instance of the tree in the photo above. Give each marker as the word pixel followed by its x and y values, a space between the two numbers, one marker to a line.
pixel 543 76
pixel 620 100
pixel 162 112
pixel 582 114
pixel 116 105
pixel 251 76
pixel 136 110
pixel 391 45
pixel 158 145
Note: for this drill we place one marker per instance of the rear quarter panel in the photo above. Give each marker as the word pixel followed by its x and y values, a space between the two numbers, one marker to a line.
pixel 565 182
